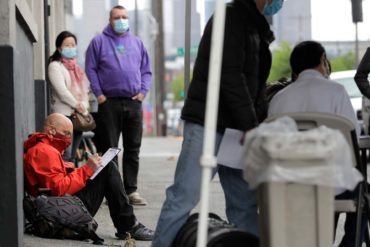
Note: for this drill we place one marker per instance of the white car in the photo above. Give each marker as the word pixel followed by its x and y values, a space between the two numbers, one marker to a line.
pixel 346 78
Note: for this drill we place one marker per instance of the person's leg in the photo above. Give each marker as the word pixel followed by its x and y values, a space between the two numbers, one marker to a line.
pixel 109 184
pixel 183 195
pixel 77 137
pixel 132 130
pixel 108 125
pixel 241 203
pixel 349 236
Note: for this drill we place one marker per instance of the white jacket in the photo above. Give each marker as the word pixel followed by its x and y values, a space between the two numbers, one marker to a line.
pixel 312 92
pixel 62 100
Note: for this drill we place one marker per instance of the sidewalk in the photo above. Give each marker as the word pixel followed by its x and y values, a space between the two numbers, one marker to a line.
pixel 157 165
pixel 158 162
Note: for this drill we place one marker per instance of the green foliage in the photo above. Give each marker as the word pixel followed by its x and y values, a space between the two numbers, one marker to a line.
pixel 177 86
pixel 280 62
pixel 281 67
pixel 344 62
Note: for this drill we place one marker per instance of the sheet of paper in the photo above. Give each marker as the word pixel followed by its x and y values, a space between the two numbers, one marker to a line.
pixel 106 158
pixel 231 153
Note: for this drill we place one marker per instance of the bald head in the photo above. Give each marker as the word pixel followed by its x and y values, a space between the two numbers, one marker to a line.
pixel 58 123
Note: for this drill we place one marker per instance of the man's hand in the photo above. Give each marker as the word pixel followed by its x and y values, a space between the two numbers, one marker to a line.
pixel 242 139
pixel 101 99
pixel 139 96
pixel 94 162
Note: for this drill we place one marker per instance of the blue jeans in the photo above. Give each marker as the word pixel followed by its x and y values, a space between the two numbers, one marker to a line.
pixel 184 194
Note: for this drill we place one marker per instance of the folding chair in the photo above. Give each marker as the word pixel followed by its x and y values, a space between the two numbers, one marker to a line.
pixel 360 205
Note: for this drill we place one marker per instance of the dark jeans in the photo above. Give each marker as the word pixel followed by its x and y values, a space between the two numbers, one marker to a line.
pixel 116 116
pixel 108 184
pixel 349 237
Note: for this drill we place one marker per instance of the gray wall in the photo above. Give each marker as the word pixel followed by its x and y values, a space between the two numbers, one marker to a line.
pixel 17 107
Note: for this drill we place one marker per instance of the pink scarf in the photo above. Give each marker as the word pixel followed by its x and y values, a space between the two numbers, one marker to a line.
pixel 77 77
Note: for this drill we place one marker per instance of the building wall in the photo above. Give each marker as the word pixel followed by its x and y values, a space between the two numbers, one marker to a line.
pixel 22 97
pixel 17 105
pixel 293 22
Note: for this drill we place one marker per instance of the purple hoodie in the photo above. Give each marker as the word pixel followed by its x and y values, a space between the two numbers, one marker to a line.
pixel 118 66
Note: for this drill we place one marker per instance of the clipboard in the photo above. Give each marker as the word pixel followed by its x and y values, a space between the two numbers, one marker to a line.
pixel 106 158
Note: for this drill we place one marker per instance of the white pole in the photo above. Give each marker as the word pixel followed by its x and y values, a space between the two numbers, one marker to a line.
pixel 208 159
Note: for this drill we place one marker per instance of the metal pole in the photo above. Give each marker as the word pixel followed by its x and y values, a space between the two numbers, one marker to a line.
pixel 157 9
pixel 187 46
pixel 208 159
pixel 356 46
pixel 136 19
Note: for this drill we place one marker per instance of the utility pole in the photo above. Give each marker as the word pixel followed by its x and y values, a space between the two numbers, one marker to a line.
pixel 356 18
pixel 157 9
pixel 136 19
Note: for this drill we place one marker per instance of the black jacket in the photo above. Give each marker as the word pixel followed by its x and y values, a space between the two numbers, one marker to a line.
pixel 245 66
pixel 363 71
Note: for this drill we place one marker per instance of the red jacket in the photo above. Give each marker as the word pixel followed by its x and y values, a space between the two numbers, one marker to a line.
pixel 45 168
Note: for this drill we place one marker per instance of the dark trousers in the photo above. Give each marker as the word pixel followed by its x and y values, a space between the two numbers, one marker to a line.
pixel 123 116
pixel 70 153
pixel 349 237
pixel 109 184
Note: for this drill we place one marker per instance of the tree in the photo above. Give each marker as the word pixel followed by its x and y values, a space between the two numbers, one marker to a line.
pixel 280 62
pixel 177 86
pixel 343 62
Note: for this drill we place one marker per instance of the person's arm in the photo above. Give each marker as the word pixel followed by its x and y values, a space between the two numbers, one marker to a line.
pixel 92 66
pixel 362 74
pixel 51 172
pixel 58 83
pixel 233 87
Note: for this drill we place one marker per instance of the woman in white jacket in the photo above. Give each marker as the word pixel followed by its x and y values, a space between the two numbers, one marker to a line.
pixel 69 84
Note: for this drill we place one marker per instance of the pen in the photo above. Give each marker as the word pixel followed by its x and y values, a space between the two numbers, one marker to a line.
pixel 88 154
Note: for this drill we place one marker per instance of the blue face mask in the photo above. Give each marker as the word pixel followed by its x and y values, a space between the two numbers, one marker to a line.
pixel 121 25
pixel 273 8
pixel 69 52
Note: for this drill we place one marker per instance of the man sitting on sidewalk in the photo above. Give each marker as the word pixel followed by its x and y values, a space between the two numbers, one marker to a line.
pixel 44 168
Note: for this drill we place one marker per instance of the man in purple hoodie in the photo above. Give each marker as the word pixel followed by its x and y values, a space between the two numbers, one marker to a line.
pixel 118 67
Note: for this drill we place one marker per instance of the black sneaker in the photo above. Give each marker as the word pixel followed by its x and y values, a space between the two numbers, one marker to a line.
pixel 137 232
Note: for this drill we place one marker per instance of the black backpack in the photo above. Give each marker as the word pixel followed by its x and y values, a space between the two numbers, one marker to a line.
pixel 59 217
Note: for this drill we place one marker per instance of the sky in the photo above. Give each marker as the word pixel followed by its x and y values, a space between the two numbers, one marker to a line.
pixel 332 20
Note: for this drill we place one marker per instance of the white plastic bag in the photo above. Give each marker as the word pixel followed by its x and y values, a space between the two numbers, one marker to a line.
pixel 278 152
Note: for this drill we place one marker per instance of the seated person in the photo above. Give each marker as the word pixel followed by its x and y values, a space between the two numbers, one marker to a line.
pixel 362 81
pixel 45 168
pixel 312 91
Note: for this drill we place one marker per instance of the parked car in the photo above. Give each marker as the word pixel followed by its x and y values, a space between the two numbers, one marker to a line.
pixel 346 79
pixel 360 104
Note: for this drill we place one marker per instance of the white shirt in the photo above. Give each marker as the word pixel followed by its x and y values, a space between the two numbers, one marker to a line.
pixel 312 92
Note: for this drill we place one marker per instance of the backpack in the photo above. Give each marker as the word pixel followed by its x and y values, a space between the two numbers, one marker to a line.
pixel 59 217
pixel 220 234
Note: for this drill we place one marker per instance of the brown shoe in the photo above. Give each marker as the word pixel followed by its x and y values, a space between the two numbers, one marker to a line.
pixel 136 199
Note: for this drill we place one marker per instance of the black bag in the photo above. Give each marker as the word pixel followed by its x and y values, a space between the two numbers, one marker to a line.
pixel 59 217
pixel 220 234
pixel 82 122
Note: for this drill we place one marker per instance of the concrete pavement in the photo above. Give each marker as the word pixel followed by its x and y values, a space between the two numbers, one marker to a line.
pixel 158 161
